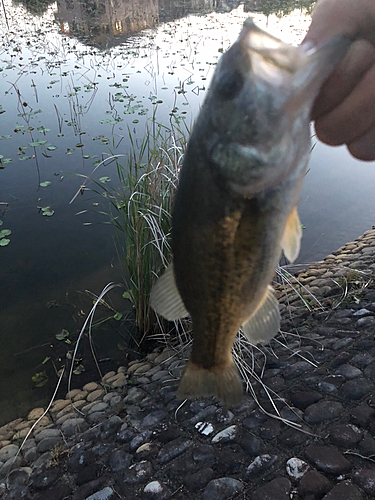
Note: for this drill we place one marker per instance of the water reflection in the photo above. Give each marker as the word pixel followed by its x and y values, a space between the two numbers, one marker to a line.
pixel 278 7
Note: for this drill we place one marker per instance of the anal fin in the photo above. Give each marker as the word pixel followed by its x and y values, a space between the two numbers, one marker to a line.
pixel 225 383
pixel 165 298
pixel 264 324
pixel 291 240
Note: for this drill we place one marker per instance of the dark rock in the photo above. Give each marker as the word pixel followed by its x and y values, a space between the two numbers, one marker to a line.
pixel 197 406
pixel 362 415
pixel 328 459
pixel 297 369
pixel 362 359
pixel 365 479
pixel 356 389
pixel 292 437
pixel 327 387
pixel 276 383
pixel 251 445
pixel 48 443
pixel 80 457
pixel 119 460
pixel 366 322
pixel 45 477
pixel 255 419
pixel 57 492
pixel 260 464
pixel 230 460
pixel 323 411
pixel 303 399
pixel 370 371
pixel 313 485
pixel 153 419
pixel 222 488
pixel 336 380
pixel 348 371
pixel 226 435
pixel 125 435
pixel 207 412
pixel 278 489
pixel 223 416
pixel 198 480
pixel 101 449
pixel 173 449
pixel 166 434
pixel 270 429
pixel 88 489
pixel 204 455
pixel 110 427
pixel 87 474
pixel 344 491
pixel 140 439
pixel 18 477
pixel 138 473
pixel 346 436
pixel 367 446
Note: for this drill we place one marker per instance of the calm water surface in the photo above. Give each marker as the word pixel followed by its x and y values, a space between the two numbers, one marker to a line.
pixel 77 79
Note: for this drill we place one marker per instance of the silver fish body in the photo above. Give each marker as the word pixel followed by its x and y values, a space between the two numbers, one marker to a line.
pixel 235 207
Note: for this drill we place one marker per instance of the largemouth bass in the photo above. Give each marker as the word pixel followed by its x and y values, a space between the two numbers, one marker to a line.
pixel 235 206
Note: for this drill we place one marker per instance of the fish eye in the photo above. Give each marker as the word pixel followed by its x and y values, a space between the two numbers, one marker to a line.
pixel 229 84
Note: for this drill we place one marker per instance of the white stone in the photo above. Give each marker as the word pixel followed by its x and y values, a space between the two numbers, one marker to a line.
pixel 104 494
pixel 204 428
pixel 227 434
pixel 296 468
pixel 154 488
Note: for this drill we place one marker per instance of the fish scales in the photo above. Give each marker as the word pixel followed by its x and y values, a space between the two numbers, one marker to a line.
pixel 235 206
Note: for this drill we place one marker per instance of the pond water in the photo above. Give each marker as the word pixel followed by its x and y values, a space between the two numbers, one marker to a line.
pixel 80 81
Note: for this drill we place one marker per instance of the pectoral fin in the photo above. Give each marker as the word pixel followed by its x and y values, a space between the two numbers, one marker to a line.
pixel 264 324
pixel 291 240
pixel 165 298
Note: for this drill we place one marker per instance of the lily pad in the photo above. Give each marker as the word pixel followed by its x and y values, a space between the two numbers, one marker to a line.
pixel 5 232
pixel 117 316
pixel 45 183
pixel 104 179
pixel 62 335
pixel 4 242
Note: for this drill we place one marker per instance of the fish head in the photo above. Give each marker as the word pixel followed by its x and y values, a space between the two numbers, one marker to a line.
pixel 256 115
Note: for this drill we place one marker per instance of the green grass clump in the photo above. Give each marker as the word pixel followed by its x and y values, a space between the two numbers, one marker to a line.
pixel 141 213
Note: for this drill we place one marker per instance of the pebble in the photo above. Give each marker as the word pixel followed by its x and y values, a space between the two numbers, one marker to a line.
pixel 119 460
pixel 344 491
pixel 314 485
pixel 323 411
pixel 226 435
pixel 278 489
pixel 328 459
pixel 222 488
pixel 365 479
pixel 104 494
pixel 345 435
pixel 157 490
pixel 260 464
pixel 173 449
pixel 138 473
pixel 296 468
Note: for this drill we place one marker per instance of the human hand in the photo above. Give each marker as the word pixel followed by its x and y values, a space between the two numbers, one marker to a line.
pixel 344 111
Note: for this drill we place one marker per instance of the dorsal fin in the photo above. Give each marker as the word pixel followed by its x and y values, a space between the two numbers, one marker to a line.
pixel 165 298
pixel 291 240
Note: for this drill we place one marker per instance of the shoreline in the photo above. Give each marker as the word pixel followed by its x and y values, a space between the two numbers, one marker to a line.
pixel 128 436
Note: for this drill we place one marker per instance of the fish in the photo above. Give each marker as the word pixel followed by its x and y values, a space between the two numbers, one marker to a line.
pixel 235 208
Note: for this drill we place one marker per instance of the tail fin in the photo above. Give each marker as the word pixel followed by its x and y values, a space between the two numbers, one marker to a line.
pixel 200 382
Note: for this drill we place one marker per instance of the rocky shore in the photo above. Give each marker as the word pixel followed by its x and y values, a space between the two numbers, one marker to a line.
pixel 308 434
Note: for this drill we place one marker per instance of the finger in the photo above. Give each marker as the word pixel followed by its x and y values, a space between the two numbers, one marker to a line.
pixel 359 59
pixel 364 147
pixel 353 117
pixel 334 17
